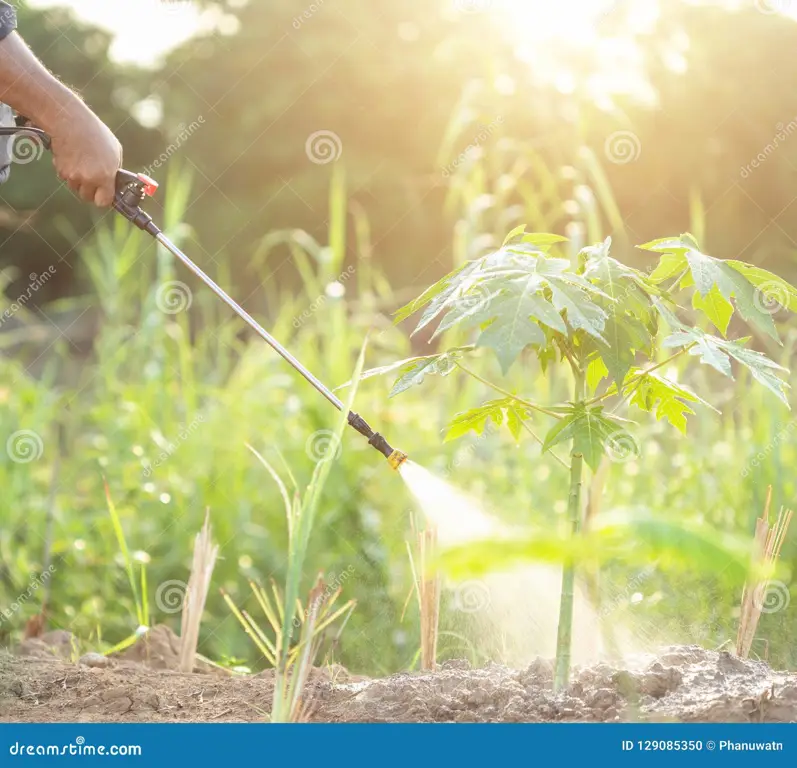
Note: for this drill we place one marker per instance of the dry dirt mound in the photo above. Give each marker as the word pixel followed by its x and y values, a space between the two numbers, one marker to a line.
pixel 683 683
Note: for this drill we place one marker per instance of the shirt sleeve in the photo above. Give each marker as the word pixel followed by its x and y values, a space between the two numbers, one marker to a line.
pixel 8 20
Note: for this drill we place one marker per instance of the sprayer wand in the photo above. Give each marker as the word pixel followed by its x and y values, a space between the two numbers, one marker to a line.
pixel 131 191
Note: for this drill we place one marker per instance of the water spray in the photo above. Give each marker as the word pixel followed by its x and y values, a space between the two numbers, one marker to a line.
pixel 132 189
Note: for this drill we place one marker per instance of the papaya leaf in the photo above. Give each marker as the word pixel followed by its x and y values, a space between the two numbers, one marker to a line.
pixel 771 288
pixel 674 544
pixel 717 282
pixel 512 328
pixel 667 399
pixel 718 354
pixel 414 369
pixel 582 313
pixel 541 240
pixel 665 245
pixel 631 537
pixel 670 265
pixel 476 419
pixel 715 307
pixel 591 431
pixel 415 372
pixel 439 292
pixel 596 373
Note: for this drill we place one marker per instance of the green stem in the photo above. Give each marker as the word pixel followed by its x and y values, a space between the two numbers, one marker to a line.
pixel 564 637
pixel 526 403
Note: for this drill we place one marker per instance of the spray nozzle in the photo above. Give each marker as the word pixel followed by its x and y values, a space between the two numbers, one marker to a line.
pixel 394 458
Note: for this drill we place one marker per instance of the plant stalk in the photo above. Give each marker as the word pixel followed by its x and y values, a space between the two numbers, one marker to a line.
pixel 564 637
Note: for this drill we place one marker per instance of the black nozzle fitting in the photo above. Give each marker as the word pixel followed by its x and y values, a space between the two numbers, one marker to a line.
pixel 394 457
pixel 130 194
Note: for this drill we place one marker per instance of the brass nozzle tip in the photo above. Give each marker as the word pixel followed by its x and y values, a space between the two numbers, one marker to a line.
pixel 396 459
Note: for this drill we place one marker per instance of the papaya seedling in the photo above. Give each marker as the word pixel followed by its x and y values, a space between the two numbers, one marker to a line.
pixel 615 328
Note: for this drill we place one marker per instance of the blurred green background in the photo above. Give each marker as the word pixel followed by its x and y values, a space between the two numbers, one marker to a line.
pixel 326 162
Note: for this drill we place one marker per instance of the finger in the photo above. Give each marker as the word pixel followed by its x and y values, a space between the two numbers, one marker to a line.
pixel 87 192
pixel 74 186
pixel 103 197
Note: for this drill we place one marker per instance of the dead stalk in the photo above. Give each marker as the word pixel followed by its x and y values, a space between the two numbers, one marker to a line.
pixel 427 590
pixel 205 553
pixel 767 543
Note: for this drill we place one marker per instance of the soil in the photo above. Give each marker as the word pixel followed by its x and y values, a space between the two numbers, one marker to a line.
pixel 40 683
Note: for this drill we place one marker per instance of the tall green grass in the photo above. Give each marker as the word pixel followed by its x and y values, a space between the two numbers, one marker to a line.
pixel 193 387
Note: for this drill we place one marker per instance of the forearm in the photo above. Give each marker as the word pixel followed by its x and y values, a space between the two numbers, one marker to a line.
pixel 27 86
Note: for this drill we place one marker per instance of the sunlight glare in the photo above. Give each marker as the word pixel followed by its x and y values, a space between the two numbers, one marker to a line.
pixel 143 31
pixel 564 46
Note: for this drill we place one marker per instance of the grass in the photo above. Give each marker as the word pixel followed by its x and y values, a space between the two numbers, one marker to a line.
pixel 151 375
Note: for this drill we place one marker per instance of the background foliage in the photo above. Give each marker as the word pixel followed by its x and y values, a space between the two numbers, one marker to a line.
pixel 109 381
